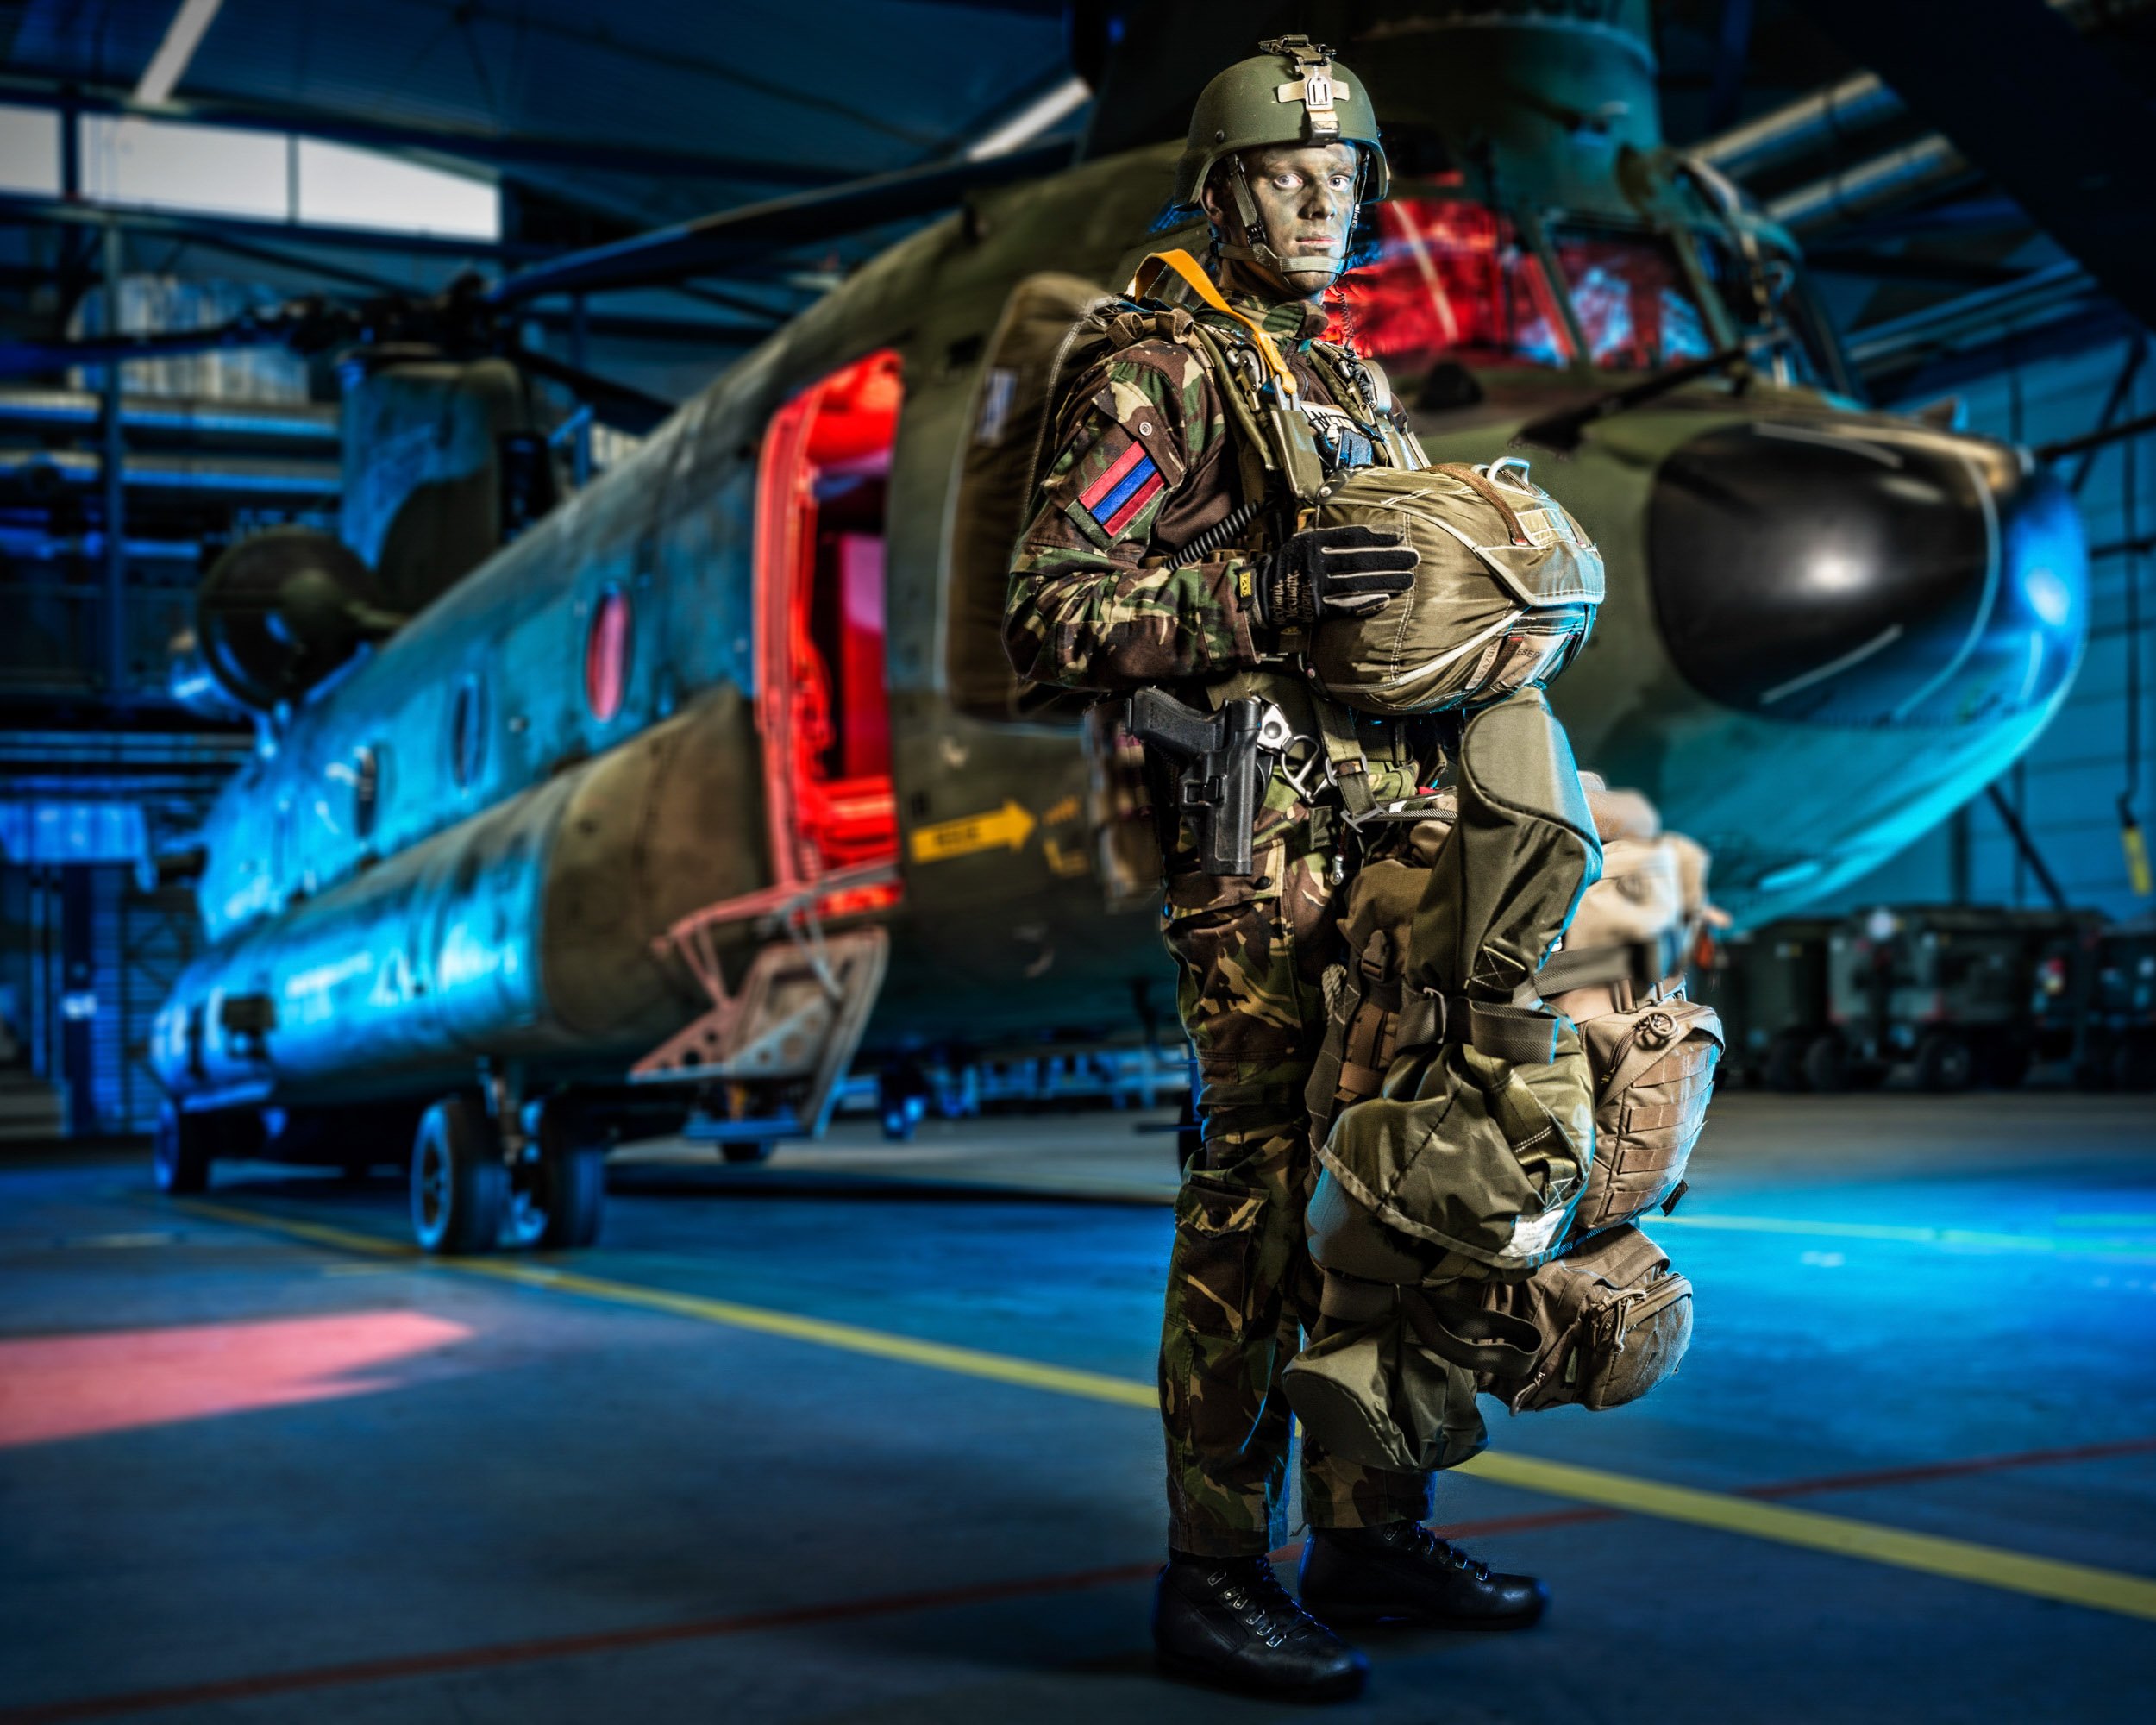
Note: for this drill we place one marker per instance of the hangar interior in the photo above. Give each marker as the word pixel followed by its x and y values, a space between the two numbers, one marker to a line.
pixel 260 1460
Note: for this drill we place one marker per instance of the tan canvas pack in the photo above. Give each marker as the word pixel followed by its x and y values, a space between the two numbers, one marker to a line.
pixel 1504 595
pixel 1613 1318
pixel 1619 978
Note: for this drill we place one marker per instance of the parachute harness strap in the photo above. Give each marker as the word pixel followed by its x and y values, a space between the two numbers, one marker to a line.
pixel 1185 266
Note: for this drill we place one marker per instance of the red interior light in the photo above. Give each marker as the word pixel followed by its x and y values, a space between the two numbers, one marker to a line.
pixel 606 655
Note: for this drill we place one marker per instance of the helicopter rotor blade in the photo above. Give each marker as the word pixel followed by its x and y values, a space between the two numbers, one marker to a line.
pixel 712 244
pixel 622 406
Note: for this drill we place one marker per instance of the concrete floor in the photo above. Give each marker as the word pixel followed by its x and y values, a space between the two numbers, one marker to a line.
pixel 253 1472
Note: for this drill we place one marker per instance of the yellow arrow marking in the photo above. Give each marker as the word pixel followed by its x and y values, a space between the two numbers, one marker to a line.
pixel 1009 826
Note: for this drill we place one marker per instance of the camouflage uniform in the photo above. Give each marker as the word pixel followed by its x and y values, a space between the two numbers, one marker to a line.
pixel 1147 463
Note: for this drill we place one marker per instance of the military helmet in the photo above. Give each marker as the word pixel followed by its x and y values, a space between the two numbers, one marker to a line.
pixel 1292 92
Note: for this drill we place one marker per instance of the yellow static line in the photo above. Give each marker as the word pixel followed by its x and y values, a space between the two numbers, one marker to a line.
pixel 1958 1559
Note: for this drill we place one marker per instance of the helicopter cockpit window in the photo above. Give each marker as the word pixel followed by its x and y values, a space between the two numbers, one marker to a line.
pixel 1773 295
pixel 1452 279
pixel 822 697
pixel 1630 295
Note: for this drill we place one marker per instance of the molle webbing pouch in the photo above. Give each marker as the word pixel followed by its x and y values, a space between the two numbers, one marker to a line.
pixel 1620 977
pixel 1654 1069
pixel 1615 1320
pixel 1477 1152
pixel 1504 593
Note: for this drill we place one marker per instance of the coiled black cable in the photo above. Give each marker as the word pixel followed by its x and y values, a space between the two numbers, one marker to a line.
pixel 1217 535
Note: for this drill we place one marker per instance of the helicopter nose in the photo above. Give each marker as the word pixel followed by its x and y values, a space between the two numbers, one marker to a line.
pixel 1862 572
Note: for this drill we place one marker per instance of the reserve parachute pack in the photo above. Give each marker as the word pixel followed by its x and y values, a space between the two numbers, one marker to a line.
pixel 1468 1242
pixel 1505 590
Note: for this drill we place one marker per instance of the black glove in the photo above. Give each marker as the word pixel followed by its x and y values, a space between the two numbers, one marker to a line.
pixel 1332 572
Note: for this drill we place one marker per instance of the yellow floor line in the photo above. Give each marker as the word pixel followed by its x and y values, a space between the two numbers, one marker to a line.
pixel 2013 1572
pixel 2131 1596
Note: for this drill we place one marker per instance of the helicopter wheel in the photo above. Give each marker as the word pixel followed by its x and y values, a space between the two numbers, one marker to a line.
pixel 756 1150
pixel 181 1152
pixel 557 1189
pixel 459 1186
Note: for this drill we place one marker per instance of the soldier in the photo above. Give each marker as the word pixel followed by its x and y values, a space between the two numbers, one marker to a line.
pixel 1162 554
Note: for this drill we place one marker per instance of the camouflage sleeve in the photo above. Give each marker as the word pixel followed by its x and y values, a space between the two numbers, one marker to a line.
pixel 1092 604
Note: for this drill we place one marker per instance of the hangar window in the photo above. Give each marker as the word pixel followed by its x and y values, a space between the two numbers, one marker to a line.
pixel 823 701
pixel 1453 279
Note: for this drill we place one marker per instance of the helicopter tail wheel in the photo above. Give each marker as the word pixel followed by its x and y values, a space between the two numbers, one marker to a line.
pixel 181 1152
pixel 1944 1063
pixel 459 1187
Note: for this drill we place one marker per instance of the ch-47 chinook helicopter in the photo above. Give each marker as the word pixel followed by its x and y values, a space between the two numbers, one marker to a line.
pixel 717 778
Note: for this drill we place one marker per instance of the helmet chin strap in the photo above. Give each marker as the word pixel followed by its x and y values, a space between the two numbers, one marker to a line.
pixel 1257 247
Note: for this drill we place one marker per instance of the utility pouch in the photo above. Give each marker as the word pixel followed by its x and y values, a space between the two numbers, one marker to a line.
pixel 1294 447
pixel 1615 1320
pixel 1654 1069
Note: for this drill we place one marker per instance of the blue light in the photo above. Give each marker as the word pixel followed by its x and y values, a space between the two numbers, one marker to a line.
pixel 71 832
pixel 2049 595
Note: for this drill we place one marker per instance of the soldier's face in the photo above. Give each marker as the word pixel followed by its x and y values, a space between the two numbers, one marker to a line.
pixel 1305 198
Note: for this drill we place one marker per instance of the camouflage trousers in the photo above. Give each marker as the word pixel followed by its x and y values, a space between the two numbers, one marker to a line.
pixel 1241 1285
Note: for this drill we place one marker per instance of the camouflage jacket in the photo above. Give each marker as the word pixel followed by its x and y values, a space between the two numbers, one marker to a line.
pixel 1144 465
pixel 1146 462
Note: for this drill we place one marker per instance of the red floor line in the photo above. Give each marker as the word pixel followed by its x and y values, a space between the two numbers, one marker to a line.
pixel 659 1634
pixel 1949 1469
pixel 561 1646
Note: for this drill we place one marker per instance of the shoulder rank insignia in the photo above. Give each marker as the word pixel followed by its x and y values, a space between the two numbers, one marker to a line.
pixel 1123 488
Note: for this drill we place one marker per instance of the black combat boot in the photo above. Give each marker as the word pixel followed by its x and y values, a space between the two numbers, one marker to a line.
pixel 1361 1575
pixel 1229 1622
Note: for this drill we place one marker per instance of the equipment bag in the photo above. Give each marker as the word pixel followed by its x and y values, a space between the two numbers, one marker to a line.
pixel 1615 1320
pixel 1503 597
pixel 1619 978
pixel 1478 1145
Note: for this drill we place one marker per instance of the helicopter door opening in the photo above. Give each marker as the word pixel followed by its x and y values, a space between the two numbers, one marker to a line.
pixel 822 702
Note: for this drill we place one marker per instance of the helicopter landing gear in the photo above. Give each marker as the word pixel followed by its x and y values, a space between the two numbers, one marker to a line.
pixel 181 1152
pixel 557 1186
pixel 459 1184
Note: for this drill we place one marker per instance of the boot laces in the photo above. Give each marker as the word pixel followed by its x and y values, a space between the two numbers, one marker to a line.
pixel 1443 1551
pixel 1264 1607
